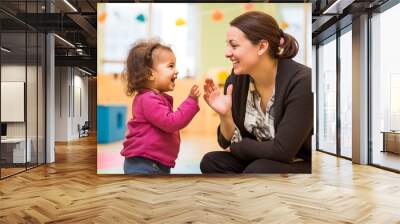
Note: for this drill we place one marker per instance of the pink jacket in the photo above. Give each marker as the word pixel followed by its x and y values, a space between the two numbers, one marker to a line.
pixel 153 132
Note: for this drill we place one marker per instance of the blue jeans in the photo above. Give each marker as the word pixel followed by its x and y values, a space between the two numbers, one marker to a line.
pixel 141 165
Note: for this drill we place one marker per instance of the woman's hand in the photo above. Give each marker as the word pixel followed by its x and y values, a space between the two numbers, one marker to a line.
pixel 219 102
pixel 195 92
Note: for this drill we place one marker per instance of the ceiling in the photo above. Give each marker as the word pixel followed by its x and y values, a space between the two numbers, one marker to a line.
pixel 328 16
pixel 76 24
pixel 75 21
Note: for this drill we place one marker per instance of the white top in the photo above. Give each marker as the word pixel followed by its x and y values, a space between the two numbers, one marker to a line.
pixel 256 122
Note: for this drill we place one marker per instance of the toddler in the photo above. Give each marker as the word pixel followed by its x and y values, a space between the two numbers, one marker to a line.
pixel 152 143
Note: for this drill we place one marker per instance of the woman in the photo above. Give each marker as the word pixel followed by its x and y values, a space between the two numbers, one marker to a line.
pixel 266 116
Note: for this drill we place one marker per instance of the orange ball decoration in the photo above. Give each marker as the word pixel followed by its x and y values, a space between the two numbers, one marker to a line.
pixel 102 17
pixel 248 6
pixel 283 25
pixel 217 15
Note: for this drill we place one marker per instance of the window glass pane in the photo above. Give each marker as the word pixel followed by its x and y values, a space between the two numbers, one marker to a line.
pixel 385 84
pixel 346 94
pixel 327 97
pixel 122 25
pixel 149 21
pixel 31 97
pixel 13 71
pixel 41 98
pixel 22 88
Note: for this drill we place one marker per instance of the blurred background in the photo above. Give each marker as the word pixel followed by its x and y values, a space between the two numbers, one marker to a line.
pixel 196 33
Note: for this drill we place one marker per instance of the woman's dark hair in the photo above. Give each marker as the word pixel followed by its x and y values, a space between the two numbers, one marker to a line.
pixel 139 63
pixel 259 26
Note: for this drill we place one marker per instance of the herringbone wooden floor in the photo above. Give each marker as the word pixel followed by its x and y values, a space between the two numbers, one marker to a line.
pixel 70 191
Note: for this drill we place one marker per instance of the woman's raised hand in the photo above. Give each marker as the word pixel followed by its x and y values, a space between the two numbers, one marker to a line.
pixel 219 102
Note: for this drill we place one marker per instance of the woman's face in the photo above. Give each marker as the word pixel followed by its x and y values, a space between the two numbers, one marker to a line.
pixel 242 53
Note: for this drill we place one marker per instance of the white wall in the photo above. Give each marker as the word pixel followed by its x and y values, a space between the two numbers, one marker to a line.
pixel 360 90
pixel 69 85
pixel 80 89
pixel 50 95
pixel 314 90
pixel 13 73
pixel 33 127
pixel 17 73
pixel 61 103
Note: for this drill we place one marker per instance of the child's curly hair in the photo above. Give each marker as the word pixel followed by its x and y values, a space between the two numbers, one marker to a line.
pixel 139 63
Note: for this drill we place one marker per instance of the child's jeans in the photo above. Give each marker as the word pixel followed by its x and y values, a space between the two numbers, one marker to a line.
pixel 141 165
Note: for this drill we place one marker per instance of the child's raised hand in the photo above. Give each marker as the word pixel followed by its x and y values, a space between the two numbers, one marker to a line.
pixel 195 92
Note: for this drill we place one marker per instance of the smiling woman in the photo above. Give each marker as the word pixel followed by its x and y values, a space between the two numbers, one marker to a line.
pixel 266 116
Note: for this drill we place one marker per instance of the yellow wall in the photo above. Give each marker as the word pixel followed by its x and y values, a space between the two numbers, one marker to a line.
pixel 110 90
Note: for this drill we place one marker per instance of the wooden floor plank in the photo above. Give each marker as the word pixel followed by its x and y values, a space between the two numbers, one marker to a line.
pixel 70 191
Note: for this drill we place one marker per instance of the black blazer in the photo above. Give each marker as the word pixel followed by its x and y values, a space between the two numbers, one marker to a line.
pixel 293 116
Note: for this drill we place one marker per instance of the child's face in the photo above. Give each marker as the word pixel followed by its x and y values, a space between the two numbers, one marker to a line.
pixel 164 71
